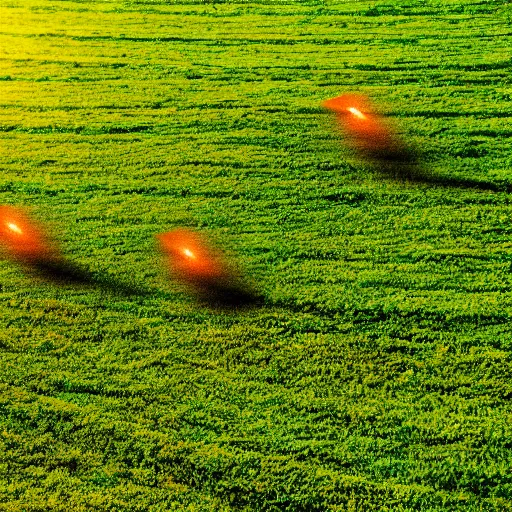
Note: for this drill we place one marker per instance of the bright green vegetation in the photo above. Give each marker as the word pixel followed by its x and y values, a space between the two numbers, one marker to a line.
pixel 376 376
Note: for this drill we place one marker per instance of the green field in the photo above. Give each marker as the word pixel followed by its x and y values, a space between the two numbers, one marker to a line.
pixel 376 375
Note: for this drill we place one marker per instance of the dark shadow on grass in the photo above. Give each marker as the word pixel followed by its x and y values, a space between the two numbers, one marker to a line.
pixel 228 296
pixel 217 295
pixel 406 165
pixel 67 273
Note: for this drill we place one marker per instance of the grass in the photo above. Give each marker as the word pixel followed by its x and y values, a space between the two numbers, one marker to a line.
pixel 376 373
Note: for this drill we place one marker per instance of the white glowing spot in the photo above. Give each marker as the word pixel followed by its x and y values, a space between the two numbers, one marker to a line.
pixel 189 254
pixel 356 112
pixel 15 228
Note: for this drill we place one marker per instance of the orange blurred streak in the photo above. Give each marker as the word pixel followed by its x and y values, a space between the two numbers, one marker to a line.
pixel 191 260
pixel 367 130
pixel 21 238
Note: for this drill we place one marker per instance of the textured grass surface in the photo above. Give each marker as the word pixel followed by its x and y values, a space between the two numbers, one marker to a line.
pixel 377 373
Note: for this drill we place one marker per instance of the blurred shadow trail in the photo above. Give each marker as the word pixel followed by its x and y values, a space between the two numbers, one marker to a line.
pixel 63 272
pixel 228 296
pixel 407 166
pixel 217 295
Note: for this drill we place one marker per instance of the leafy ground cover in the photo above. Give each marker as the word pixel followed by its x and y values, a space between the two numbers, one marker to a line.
pixel 376 375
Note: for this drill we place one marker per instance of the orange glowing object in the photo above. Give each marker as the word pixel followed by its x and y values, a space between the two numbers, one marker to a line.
pixel 21 238
pixel 191 260
pixel 197 265
pixel 366 130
